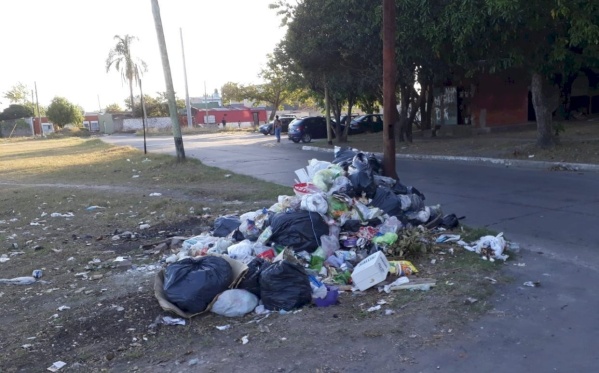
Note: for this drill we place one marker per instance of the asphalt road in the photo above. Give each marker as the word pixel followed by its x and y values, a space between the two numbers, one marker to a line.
pixel 553 215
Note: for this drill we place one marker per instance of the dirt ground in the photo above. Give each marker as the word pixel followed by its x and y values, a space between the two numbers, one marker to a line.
pixel 94 307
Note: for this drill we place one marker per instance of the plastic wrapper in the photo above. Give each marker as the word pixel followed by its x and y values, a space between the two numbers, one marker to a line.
pixel 314 165
pixel 329 244
pixel 191 284
pixel 285 286
pixel 402 268
pixel 390 225
pixel 385 239
pixel 234 303
pixel 323 179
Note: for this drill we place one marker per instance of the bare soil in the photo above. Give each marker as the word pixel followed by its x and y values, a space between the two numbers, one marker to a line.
pixel 110 319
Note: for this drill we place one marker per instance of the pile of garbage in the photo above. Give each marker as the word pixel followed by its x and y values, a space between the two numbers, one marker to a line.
pixel 333 234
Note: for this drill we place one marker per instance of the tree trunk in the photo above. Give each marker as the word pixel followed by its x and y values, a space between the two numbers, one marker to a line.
pixel 540 100
pixel 131 95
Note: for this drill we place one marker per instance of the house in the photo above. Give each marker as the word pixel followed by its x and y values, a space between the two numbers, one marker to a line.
pixel 215 115
pixel 489 101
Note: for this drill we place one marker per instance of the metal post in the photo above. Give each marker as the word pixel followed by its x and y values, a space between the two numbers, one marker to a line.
pixel 144 117
pixel 39 114
pixel 205 103
pixel 187 103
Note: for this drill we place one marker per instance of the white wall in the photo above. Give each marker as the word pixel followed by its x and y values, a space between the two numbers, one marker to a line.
pixel 134 124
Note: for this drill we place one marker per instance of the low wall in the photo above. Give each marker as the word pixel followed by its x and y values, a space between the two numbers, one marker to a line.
pixel 134 124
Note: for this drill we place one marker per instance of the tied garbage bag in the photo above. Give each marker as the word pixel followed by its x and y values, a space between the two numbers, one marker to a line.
pixel 192 284
pixel 363 182
pixel 343 155
pixel 285 286
pixel 299 230
pixel 241 250
pixel 251 280
pixel 234 303
pixel 388 201
pixel 224 225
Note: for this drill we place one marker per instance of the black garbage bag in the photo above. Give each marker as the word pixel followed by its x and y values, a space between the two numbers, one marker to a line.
pixel 224 225
pixel 251 280
pixel 387 201
pixel 351 225
pixel 360 162
pixel 376 165
pixel 344 155
pixel 300 230
pixel 363 182
pixel 285 286
pixel 450 221
pixel 192 284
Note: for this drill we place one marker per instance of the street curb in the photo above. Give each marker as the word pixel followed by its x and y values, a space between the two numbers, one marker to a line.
pixel 556 166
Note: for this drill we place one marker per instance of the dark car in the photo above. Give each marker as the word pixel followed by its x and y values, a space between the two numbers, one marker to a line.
pixel 268 129
pixel 366 123
pixel 306 129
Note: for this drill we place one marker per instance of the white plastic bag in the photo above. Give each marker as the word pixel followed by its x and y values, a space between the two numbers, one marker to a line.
pixel 495 243
pixel 314 165
pixel 234 303
pixel 315 203
pixel 241 250
pixel 391 225
pixel 329 244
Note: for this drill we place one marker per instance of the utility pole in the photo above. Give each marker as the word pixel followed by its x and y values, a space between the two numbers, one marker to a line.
pixel 170 91
pixel 389 75
pixel 187 103
pixel 144 118
pixel 205 103
pixel 39 114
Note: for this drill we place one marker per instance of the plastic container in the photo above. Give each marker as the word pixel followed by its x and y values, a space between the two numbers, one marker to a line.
pixel 370 271
pixel 302 189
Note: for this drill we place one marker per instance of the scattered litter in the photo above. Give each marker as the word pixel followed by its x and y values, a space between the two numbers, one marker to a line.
pixel 62 308
pixel 155 194
pixel 4 258
pixel 56 366
pixel 167 320
pixel 59 215
pixel 144 226
pixel 389 312
pixel 448 238
pixel 37 274
pixel 470 300
pixel 94 208
pixel 492 280
pixel 395 284
pixel 532 284
pixel 26 280
pixel 374 308
pixel 223 327
pixel 520 264
pixel 244 339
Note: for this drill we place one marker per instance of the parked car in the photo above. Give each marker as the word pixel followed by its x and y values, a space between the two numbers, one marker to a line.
pixel 366 123
pixel 306 129
pixel 268 129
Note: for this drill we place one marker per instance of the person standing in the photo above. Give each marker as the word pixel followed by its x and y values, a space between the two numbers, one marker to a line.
pixel 224 122
pixel 278 126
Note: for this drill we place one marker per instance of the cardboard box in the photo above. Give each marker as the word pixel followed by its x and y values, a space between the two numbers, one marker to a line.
pixel 370 271
pixel 239 270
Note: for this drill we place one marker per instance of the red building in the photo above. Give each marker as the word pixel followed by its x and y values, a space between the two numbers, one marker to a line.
pixel 255 116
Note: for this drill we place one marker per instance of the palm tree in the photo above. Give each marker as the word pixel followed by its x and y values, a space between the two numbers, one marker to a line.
pixel 130 67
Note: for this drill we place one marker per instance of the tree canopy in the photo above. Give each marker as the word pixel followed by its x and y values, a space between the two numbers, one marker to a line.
pixel 15 111
pixel 62 112
pixel 126 62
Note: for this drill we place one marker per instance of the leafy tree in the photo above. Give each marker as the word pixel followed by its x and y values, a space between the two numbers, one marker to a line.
pixel 113 108
pixel 18 94
pixel 552 40
pixel 232 92
pixel 125 62
pixel 62 112
pixel 156 107
pixel 15 111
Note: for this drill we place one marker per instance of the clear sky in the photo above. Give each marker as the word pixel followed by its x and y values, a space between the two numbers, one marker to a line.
pixel 63 44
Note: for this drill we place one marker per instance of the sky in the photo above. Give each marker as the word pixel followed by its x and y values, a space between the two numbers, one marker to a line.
pixel 62 45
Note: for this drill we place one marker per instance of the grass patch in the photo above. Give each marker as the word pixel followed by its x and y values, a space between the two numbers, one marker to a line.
pixel 470 234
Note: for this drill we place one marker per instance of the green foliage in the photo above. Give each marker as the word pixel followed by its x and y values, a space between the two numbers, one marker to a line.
pixel 62 112
pixel 125 62
pixel 113 108
pixel 156 107
pixel 18 94
pixel 15 111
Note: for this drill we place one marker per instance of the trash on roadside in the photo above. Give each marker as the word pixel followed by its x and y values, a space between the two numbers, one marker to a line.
pixel 223 327
pixel 155 194
pixel 59 215
pixel 26 280
pixel 234 303
pixel 56 366
pixel 370 271
pixel 532 284
pixel 62 308
pixel 244 340
pixel 470 300
pixel 167 320
pixel 489 247
pixel 374 308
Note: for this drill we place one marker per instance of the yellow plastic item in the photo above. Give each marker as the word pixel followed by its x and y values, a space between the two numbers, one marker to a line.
pixel 402 268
